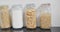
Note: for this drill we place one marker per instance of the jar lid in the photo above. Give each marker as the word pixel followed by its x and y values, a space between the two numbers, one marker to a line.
pixel 45 6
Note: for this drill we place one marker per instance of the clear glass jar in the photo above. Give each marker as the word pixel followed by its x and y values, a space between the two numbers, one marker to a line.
pixel 30 16
pixel 45 16
pixel 17 16
pixel 5 23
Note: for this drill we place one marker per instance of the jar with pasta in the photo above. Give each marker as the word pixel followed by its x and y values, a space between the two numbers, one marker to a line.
pixel 30 16
pixel 5 17
pixel 45 16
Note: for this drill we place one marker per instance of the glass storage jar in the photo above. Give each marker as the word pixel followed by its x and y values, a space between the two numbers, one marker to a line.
pixel 45 16
pixel 17 16
pixel 30 16
pixel 5 23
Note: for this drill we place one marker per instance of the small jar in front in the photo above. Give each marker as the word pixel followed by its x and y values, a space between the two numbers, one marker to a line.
pixel 30 16
pixel 45 16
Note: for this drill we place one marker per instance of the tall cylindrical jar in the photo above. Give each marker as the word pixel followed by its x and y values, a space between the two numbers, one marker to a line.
pixel 5 23
pixel 30 16
pixel 17 16
pixel 45 16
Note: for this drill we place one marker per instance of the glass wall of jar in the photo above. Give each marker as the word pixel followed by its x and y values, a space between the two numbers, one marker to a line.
pixel 0 20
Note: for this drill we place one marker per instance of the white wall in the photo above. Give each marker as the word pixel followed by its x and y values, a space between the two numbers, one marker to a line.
pixel 23 2
pixel 56 13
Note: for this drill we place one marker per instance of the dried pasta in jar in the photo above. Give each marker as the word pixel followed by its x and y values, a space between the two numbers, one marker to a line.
pixel 45 16
pixel 30 15
pixel 5 17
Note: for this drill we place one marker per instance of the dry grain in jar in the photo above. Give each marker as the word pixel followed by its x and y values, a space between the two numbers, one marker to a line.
pixel 5 17
pixel 45 16
pixel 45 20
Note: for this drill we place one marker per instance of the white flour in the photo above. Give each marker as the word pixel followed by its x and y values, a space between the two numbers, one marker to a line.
pixel 17 18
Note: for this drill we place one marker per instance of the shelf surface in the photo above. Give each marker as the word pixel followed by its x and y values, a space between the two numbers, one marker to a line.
pixel 54 29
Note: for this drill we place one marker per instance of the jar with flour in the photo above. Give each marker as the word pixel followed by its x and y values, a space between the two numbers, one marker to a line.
pixel 17 16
